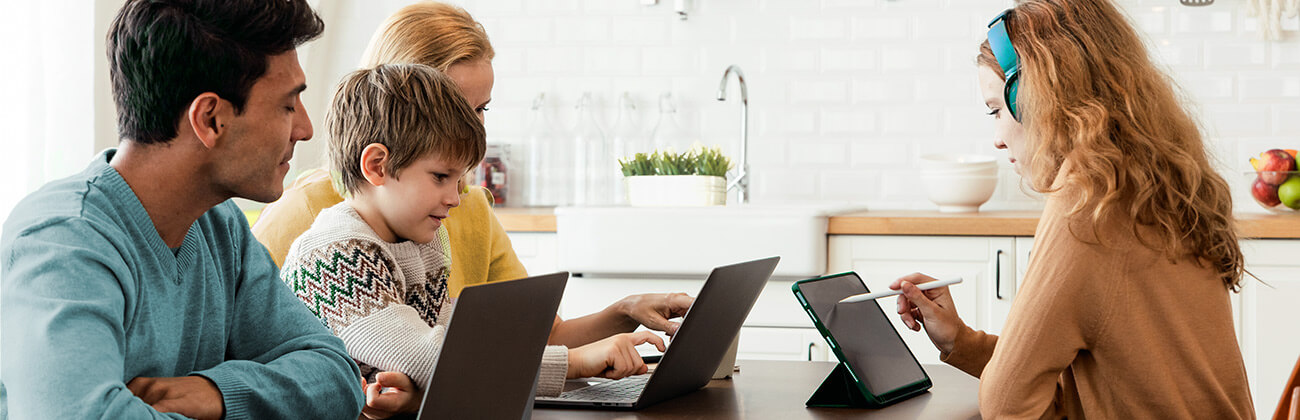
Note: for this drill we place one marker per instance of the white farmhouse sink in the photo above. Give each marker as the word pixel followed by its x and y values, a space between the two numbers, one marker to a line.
pixel 690 241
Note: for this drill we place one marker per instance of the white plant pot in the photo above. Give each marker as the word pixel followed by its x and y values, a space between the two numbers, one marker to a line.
pixel 676 190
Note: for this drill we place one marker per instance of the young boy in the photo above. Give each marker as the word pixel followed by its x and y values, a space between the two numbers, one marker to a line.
pixel 374 268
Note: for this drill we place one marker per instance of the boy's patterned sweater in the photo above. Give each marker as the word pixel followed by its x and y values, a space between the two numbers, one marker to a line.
pixel 387 301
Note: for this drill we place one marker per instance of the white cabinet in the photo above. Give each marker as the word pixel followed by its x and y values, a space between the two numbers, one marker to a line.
pixel 987 266
pixel 1269 318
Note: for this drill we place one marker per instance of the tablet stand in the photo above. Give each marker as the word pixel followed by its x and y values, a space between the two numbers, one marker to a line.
pixel 839 390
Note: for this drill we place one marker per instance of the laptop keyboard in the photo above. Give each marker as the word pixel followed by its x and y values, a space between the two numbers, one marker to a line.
pixel 626 389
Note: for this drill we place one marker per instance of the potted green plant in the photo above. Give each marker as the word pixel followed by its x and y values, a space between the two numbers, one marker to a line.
pixel 697 177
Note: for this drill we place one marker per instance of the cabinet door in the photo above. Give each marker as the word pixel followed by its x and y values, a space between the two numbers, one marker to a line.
pixel 759 343
pixel 1270 314
pixel 536 250
pixel 982 262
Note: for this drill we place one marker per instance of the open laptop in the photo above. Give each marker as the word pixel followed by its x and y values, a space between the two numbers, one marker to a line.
pixel 488 363
pixel 706 333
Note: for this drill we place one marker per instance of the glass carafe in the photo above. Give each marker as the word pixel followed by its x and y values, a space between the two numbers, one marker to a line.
pixel 627 139
pixel 548 173
pixel 593 167
pixel 668 132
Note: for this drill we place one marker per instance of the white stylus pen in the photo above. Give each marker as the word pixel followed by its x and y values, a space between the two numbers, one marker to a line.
pixel 877 295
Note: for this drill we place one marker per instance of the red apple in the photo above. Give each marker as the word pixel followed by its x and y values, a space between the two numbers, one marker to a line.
pixel 1264 192
pixel 1273 166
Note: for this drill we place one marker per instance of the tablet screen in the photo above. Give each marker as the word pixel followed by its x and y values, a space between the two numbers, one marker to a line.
pixel 870 345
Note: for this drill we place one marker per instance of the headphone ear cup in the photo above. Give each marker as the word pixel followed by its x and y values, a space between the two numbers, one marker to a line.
pixel 1009 94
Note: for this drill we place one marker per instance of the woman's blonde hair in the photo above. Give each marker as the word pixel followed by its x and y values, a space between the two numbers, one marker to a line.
pixel 1090 93
pixel 430 33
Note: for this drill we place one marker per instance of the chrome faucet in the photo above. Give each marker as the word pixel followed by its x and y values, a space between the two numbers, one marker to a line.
pixel 741 182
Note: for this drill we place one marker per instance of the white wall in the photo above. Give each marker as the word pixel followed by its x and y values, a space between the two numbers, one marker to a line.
pixel 844 94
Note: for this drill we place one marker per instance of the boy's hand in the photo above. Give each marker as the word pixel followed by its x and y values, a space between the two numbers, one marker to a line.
pixel 614 357
pixel 392 393
pixel 654 310
pixel 190 396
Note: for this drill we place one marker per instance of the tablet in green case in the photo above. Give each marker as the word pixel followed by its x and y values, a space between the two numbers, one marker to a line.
pixel 876 367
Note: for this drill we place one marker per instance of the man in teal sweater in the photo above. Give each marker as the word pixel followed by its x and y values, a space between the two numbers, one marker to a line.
pixel 135 289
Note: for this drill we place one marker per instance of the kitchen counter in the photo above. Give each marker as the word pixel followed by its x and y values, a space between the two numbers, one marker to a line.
pixel 927 222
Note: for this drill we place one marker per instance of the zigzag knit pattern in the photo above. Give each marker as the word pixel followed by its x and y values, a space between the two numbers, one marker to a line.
pixel 345 281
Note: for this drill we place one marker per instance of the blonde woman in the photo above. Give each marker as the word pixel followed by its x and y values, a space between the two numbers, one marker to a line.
pixel 447 38
pixel 1124 311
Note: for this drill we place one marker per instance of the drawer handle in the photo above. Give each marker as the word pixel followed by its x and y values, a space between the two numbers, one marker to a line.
pixel 997 275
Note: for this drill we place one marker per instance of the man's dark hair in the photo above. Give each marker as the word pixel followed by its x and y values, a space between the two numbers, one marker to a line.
pixel 164 53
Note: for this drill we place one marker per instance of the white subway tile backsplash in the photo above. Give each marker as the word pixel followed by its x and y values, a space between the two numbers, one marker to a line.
pixel 522 31
pixel 1255 87
pixel 950 27
pixel 853 121
pixel 811 152
pixel 835 59
pixel 1229 121
pixel 818 29
pixel 566 60
pixel 788 122
pixel 916 58
pixel 612 61
pixel 1288 121
pixel 1236 55
pixel 846 94
pixel 782 184
pixel 884 90
pixel 1201 21
pixel 888 153
pixel 1180 55
pixel 581 30
pixel 859 185
pixel 639 30
pixel 910 120
pixel 826 92
pixel 802 60
pixel 1208 87
pixel 668 61
pixel 881 28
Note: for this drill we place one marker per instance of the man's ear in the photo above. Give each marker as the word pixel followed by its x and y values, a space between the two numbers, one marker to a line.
pixel 374 159
pixel 207 116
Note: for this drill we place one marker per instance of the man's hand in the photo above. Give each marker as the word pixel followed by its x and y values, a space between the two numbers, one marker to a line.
pixel 392 393
pixel 654 310
pixel 614 357
pixel 190 396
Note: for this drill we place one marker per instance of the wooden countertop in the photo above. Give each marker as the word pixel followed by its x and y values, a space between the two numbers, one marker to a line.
pixel 929 222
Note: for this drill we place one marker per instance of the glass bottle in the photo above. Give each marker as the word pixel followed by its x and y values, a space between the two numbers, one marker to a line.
pixel 547 177
pixel 627 139
pixel 592 164
pixel 667 132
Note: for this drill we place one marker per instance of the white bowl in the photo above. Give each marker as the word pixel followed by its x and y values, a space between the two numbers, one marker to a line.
pixel 961 171
pixel 959 194
pixel 956 160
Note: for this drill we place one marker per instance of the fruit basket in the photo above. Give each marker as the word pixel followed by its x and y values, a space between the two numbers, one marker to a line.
pixel 1275 182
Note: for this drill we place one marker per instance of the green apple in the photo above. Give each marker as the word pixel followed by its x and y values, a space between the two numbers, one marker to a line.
pixel 1289 193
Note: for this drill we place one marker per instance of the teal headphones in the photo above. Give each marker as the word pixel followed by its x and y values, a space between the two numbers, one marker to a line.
pixel 1000 43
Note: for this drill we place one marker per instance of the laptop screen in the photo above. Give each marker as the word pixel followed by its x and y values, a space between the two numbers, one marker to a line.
pixel 871 346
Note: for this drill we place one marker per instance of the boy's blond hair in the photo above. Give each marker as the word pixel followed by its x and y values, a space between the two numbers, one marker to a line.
pixel 412 109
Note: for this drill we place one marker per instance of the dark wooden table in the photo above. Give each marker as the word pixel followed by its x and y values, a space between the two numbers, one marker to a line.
pixel 777 390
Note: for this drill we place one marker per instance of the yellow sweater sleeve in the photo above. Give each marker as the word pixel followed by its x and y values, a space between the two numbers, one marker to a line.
pixel 480 249
pixel 286 219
